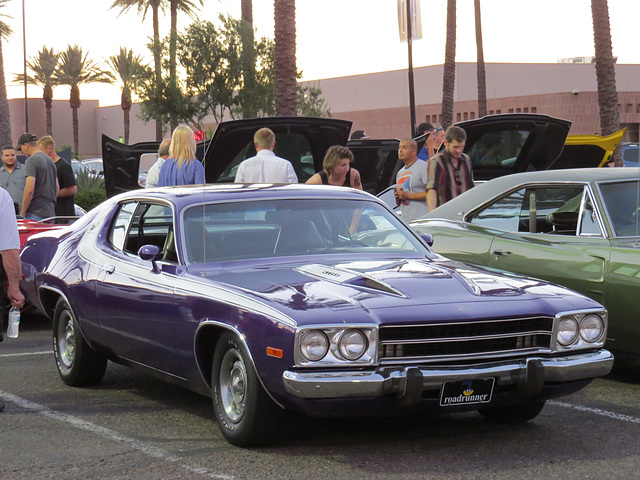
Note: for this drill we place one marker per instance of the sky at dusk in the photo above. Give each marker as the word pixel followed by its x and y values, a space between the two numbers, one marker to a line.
pixel 334 37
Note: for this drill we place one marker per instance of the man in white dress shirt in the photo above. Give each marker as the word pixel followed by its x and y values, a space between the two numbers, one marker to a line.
pixel 265 167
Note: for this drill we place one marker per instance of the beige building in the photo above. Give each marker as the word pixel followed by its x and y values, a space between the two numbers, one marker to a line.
pixel 379 102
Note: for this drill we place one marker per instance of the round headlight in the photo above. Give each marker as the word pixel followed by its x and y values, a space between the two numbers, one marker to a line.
pixel 567 331
pixel 352 344
pixel 591 328
pixel 314 345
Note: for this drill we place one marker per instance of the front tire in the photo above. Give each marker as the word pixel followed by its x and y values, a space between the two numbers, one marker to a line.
pixel 246 415
pixel 78 364
pixel 513 413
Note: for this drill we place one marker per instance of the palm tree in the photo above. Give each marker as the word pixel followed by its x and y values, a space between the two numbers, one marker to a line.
pixel 605 71
pixel 482 77
pixel 143 6
pixel 285 57
pixel 126 66
pixel 77 69
pixel 43 68
pixel 188 7
pixel 248 57
pixel 449 70
pixel 5 119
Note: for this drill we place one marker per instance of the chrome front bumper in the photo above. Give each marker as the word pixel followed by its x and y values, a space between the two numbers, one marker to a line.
pixel 529 374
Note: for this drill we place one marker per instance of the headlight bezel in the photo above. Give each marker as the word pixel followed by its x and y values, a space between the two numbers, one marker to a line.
pixel 334 356
pixel 584 321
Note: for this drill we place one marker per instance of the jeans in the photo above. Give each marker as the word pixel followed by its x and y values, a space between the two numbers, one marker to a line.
pixel 33 216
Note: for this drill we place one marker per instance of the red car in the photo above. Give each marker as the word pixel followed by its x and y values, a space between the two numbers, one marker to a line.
pixel 26 228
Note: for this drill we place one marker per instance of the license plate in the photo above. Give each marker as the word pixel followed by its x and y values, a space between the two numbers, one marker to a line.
pixel 466 392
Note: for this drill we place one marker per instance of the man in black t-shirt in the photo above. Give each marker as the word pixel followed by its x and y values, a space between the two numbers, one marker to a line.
pixel 67 180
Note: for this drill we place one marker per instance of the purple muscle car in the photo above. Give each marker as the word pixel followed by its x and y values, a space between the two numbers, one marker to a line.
pixel 309 298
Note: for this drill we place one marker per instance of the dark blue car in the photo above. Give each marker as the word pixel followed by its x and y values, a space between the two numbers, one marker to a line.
pixel 315 299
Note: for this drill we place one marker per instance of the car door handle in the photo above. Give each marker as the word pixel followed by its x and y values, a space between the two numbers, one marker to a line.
pixel 501 253
pixel 110 269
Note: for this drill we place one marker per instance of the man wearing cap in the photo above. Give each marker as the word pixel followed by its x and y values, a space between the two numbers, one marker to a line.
pixel 359 135
pixel 41 187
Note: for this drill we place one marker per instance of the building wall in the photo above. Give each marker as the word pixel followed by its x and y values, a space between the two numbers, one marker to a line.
pixel 379 102
pixel 62 127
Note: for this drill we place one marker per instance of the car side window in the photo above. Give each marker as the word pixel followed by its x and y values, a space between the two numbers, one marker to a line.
pixel 503 214
pixel 120 227
pixel 550 209
pixel 139 224
pixel 588 220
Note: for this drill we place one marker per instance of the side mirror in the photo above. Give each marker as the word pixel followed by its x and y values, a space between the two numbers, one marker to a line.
pixel 427 238
pixel 150 252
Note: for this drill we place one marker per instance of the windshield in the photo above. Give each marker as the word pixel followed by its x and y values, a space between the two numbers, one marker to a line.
pixel 622 202
pixel 247 230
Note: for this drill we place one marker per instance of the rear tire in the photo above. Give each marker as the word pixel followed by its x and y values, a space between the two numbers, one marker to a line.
pixel 513 413
pixel 78 364
pixel 246 415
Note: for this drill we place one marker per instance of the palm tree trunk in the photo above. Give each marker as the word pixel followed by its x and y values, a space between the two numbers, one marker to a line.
pixel 449 70
pixel 605 73
pixel 74 101
pixel 125 103
pixel 47 96
pixel 285 57
pixel 605 68
pixel 5 120
pixel 482 77
pixel 173 48
pixel 157 60
pixel 248 59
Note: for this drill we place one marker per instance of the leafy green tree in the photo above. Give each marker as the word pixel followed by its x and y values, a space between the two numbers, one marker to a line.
pixel 128 68
pixel 75 69
pixel 5 120
pixel 188 7
pixel 143 7
pixel 43 68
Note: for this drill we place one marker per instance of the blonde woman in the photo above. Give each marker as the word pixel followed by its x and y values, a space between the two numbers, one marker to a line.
pixel 336 169
pixel 182 167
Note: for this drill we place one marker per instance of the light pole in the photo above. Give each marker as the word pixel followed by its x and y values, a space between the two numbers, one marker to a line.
pixel 24 57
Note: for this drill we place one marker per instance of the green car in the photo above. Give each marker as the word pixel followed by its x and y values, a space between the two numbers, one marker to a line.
pixel 578 227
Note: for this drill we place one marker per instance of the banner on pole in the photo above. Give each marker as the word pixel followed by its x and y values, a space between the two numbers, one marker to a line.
pixel 416 22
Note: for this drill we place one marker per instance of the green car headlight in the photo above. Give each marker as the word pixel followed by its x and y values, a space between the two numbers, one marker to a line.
pixel 568 331
pixel 352 344
pixel 314 345
pixel 591 328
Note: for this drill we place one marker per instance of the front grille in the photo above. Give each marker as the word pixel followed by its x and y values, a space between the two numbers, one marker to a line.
pixel 442 341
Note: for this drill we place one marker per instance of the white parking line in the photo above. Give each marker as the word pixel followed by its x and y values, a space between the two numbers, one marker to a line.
pixel 597 411
pixel 25 354
pixel 143 447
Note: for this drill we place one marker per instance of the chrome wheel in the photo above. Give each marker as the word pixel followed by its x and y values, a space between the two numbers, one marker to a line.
pixel 233 385
pixel 66 339
pixel 78 364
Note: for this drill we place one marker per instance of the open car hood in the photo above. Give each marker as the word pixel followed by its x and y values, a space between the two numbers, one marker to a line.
pixel 529 142
pixel 301 140
pixel 588 150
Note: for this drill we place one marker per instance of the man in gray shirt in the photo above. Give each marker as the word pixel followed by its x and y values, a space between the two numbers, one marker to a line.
pixel 12 176
pixel 41 187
